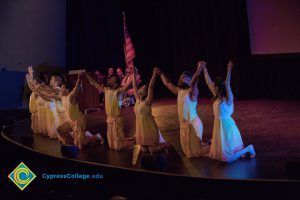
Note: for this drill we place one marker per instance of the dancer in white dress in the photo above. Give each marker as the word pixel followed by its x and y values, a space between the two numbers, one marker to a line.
pixel 191 127
pixel 227 144
pixel 147 132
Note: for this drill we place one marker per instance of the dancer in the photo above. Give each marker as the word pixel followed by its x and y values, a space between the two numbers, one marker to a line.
pixel 73 130
pixel 227 144
pixel 76 119
pixel 33 105
pixel 39 113
pixel 147 133
pixel 115 122
pixel 33 109
pixel 51 116
pixel 191 128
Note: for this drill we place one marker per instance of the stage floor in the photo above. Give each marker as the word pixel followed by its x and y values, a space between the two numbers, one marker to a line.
pixel 271 126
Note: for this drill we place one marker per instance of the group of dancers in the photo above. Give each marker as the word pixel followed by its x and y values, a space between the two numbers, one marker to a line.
pixel 60 101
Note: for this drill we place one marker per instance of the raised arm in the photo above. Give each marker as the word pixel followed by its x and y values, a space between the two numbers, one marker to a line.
pixel 149 97
pixel 30 82
pixel 47 96
pixel 30 72
pixel 124 87
pixel 134 84
pixel 194 84
pixel 208 81
pixel 94 83
pixel 227 83
pixel 76 90
pixel 168 83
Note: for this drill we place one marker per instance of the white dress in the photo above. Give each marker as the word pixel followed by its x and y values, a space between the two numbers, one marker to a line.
pixel 51 119
pixel 226 139
pixel 191 127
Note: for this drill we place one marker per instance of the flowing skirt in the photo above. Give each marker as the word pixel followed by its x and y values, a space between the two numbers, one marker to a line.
pixel 52 122
pixel 147 132
pixel 115 132
pixel 191 139
pixel 226 139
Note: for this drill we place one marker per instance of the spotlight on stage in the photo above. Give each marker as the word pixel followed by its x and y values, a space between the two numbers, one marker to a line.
pixel 69 151
pixel 153 162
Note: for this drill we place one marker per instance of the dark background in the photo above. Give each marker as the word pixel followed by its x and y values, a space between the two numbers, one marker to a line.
pixel 174 35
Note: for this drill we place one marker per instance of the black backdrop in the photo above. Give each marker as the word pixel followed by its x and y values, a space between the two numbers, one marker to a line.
pixel 174 34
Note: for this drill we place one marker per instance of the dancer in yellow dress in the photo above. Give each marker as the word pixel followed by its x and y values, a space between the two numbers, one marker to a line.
pixel 73 130
pixel 52 115
pixel 191 128
pixel 76 120
pixel 147 132
pixel 37 106
pixel 33 106
pixel 115 122
pixel 48 113
pixel 227 144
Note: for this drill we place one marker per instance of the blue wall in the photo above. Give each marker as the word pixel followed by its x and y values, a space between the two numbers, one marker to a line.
pixel 32 32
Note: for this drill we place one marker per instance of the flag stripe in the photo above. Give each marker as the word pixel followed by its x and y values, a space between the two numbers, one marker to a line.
pixel 128 46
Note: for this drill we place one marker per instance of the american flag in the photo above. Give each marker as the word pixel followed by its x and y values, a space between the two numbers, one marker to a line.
pixel 128 47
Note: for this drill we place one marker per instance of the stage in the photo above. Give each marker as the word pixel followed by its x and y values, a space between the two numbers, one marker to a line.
pixel 271 126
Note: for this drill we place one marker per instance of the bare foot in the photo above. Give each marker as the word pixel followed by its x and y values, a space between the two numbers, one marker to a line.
pixel 145 149
pixel 160 148
pixel 252 151
pixel 99 137
pixel 130 138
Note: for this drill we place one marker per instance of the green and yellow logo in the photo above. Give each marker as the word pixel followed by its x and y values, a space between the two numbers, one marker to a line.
pixel 22 176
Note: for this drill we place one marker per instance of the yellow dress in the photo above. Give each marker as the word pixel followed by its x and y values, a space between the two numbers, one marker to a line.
pixel 77 119
pixel 33 108
pixel 61 114
pixel 72 110
pixel 62 117
pixel 42 115
pixel 147 132
pixel 115 123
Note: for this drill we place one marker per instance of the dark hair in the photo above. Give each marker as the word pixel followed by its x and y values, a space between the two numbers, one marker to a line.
pixel 59 79
pixel 42 79
pixel 118 80
pixel 143 98
pixel 220 84
pixel 187 73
